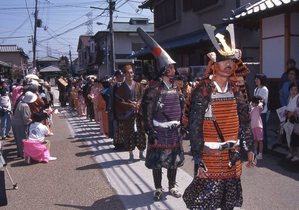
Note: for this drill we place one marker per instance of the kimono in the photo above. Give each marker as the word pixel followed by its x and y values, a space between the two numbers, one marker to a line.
pixel 130 125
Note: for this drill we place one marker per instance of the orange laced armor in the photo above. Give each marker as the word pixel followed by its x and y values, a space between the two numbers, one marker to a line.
pixel 223 109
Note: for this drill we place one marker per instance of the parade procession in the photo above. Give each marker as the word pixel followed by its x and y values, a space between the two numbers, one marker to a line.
pixel 169 105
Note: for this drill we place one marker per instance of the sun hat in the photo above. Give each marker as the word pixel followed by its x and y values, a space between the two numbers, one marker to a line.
pixel 29 97
pixel 41 81
pixel 46 83
pixel 34 82
pixel 144 81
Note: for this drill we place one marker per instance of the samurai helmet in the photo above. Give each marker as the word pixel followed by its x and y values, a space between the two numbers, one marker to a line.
pixel 224 50
pixel 158 52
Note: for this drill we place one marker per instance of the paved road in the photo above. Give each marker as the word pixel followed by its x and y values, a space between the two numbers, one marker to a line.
pixel 90 175
pixel 273 184
pixel 62 184
pixel 132 182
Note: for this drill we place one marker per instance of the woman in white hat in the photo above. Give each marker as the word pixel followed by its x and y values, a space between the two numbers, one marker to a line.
pixel 21 119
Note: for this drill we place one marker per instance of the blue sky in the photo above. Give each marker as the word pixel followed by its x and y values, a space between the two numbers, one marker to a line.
pixel 63 21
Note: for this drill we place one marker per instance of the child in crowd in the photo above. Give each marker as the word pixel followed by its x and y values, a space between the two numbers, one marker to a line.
pixel 49 110
pixel 37 133
pixel 257 125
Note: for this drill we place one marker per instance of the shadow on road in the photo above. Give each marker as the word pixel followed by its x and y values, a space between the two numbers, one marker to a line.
pixel 277 162
pixel 111 202
pixel 107 164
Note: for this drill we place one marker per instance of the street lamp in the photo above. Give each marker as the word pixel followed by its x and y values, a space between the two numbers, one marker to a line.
pixel 101 24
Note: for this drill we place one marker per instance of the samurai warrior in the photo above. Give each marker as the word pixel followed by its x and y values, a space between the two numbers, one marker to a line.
pixel 219 126
pixel 162 114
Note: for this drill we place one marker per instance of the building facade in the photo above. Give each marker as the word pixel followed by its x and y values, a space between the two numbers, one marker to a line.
pixel 278 34
pixel 86 55
pixel 16 58
pixel 126 43
pixel 179 28
pixel 47 61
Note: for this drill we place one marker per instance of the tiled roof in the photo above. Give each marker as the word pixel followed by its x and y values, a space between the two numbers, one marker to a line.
pixel 50 69
pixel 10 48
pixel 260 7
pixel 4 64
pixel 126 27
pixel 48 58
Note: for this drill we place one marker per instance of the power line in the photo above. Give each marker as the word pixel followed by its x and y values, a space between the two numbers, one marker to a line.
pixel 71 29
pixel 13 32
pixel 68 43
pixel 53 5
pixel 14 37
pixel 28 14
pixel 71 22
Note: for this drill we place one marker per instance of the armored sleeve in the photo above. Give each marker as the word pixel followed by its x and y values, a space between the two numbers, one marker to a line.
pixel 198 105
pixel 185 112
pixel 149 103
pixel 245 134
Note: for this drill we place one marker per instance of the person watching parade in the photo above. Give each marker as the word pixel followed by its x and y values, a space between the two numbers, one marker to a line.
pixel 127 106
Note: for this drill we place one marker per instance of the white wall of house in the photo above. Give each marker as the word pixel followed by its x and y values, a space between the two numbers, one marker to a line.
pixel 274 43
pixel 273 46
pixel 294 37
pixel 123 44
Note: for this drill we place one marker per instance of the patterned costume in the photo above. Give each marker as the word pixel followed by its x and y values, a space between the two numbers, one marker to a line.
pixel 117 140
pixel 130 130
pixel 232 116
pixel 162 118
pixel 218 126
pixel 162 113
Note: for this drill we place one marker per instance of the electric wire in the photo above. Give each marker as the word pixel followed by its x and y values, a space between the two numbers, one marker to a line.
pixel 18 28
pixel 29 15
pixel 54 8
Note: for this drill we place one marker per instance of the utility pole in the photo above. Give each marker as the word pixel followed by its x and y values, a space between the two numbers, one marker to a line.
pixel 34 36
pixel 112 54
pixel 111 34
pixel 71 62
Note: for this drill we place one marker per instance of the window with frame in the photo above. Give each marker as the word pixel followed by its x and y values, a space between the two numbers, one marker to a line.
pixel 165 13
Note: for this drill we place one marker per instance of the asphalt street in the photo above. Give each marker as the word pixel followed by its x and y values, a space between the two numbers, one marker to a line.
pixel 89 174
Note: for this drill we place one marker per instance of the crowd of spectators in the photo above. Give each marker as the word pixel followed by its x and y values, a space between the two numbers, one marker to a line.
pixel 21 105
